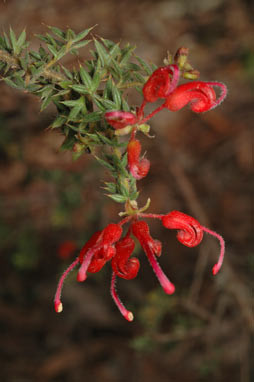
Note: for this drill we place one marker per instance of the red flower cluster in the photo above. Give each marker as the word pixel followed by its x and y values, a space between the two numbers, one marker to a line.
pixel 107 245
pixel 163 84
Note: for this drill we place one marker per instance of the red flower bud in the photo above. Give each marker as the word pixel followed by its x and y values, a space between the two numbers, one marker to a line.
pixel 138 168
pixel 190 232
pixel 159 84
pixel 122 265
pixel 200 95
pixel 120 119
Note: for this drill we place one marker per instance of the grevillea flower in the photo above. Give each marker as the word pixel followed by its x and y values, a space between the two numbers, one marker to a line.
pixel 152 247
pixel 199 94
pixel 120 119
pixel 160 84
pixel 107 245
pixel 122 265
pixel 138 167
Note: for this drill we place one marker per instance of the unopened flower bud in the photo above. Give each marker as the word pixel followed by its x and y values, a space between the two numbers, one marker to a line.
pixel 120 119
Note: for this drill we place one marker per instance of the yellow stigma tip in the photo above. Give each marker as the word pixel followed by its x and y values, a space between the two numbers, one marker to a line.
pixel 60 308
pixel 130 316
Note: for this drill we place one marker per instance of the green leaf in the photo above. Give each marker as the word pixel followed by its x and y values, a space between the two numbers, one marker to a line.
pixel 133 67
pixel 144 65
pixel 35 55
pixel 68 143
pixel 92 117
pixel 71 103
pixel 2 43
pixel 67 73
pixel 42 38
pixel 99 104
pixel 125 105
pixel 107 104
pixel 46 102
pixel 82 34
pixel 74 112
pixel 52 50
pixel 108 43
pixel 59 121
pixel 110 187
pixel 13 40
pixel 9 82
pixel 81 89
pixel 114 51
pixel 77 155
pixel 104 163
pixel 51 40
pixel 107 141
pixel 21 41
pixel 117 97
pixel 102 53
pixel 98 74
pixel 93 138
pixel 7 41
pixel 2 65
pixel 58 32
pixel 124 190
pixel 85 77
pixel 126 54
pixel 81 44
pixel 134 195
pixel 118 198
pixel 70 35
pixel 43 53
pixel 124 160
pixel 78 106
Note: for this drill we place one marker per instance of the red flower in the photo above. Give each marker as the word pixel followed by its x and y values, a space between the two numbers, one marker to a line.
pixel 107 245
pixel 138 167
pixel 120 119
pixel 190 232
pixel 122 265
pixel 152 247
pixel 199 94
pixel 159 84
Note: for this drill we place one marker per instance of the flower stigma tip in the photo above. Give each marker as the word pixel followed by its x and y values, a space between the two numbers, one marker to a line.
pixel 129 316
pixel 58 307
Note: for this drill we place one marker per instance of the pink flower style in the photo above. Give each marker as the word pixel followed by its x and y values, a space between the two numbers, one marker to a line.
pixel 108 245
pixel 163 84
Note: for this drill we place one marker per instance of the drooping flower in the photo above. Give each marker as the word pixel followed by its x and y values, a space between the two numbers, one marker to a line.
pixel 138 167
pixel 199 95
pixel 107 245
pixel 161 83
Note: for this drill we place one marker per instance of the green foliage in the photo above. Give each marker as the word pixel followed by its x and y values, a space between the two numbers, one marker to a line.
pixel 82 95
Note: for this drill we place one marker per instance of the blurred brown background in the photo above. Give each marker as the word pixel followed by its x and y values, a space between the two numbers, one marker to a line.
pixel 201 165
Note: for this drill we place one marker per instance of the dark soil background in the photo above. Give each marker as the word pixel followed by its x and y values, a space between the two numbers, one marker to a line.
pixel 201 165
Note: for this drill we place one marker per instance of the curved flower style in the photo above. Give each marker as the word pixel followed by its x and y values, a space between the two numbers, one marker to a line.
pixel 138 167
pixel 107 245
